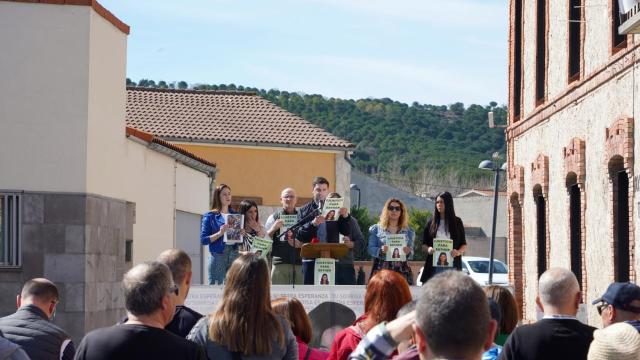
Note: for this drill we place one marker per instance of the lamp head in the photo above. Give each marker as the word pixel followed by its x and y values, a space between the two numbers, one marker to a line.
pixel 486 165
pixel 354 187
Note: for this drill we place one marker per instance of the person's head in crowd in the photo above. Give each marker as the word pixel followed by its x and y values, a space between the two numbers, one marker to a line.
pixel 180 265
pixel 387 292
pixel 244 320
pixel 150 293
pixel 453 319
pixel 221 198
pixel 293 310
pixel 41 293
pixel 508 307
pixel 394 212
pixel 443 210
pixel 496 313
pixel 249 209
pixel 407 308
pixel 288 199
pixel 320 187
pixel 621 302
pixel 558 292
pixel 619 341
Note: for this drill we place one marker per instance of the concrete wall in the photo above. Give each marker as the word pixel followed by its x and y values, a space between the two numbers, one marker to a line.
pixel 264 172
pixel 44 64
pixel 477 215
pixel 76 241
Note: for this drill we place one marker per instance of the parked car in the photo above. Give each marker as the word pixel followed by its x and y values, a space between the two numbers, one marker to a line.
pixel 478 269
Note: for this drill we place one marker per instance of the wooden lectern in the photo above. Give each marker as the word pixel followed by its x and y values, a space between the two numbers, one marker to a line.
pixel 324 250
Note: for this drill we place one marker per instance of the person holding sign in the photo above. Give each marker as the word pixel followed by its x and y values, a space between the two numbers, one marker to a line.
pixel 286 249
pixel 444 233
pixel 212 230
pixel 391 233
pixel 252 225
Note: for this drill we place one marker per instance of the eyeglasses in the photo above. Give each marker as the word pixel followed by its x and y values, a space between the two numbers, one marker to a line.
pixel 174 289
pixel 394 208
pixel 601 307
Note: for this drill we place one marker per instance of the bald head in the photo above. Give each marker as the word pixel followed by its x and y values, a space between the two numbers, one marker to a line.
pixel 557 288
pixel 288 199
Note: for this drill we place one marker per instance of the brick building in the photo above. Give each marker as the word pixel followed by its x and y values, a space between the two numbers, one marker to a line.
pixel 571 184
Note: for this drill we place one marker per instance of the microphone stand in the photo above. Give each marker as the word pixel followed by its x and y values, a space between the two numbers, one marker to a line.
pixel 308 218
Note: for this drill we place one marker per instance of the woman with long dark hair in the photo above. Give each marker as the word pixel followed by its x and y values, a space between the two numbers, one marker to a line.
pixel 244 325
pixel 212 230
pixel 444 224
pixel 252 225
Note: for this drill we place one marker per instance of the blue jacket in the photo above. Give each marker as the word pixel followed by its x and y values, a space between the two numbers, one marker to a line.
pixel 211 223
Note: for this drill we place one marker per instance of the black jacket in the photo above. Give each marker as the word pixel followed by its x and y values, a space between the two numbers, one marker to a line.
pixel 307 232
pixel 32 331
pixel 458 241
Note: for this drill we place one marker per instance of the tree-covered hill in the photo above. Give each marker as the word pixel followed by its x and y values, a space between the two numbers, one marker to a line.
pixel 394 138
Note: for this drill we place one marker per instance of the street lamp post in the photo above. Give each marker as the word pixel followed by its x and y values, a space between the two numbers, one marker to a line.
pixel 355 187
pixel 489 165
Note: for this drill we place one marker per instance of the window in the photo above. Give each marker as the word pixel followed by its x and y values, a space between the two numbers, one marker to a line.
pixel 575 228
pixel 575 34
pixel 10 230
pixel 621 227
pixel 618 41
pixel 517 60
pixel 541 220
pixel 541 50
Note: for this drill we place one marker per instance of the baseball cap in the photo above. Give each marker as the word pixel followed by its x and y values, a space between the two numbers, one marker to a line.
pixel 620 296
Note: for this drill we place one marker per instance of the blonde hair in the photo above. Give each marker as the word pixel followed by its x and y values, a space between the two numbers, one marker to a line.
pixel 403 221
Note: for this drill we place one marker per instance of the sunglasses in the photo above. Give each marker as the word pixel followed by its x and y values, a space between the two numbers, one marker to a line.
pixel 394 208
pixel 174 289
pixel 601 307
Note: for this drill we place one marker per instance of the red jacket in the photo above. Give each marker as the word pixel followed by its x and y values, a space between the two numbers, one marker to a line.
pixel 315 354
pixel 345 343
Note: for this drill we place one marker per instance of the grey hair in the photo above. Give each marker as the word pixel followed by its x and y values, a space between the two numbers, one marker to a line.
pixel 144 287
pixel 453 314
pixel 407 308
pixel 178 262
pixel 557 287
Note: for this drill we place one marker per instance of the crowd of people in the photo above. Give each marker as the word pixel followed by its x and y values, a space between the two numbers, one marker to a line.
pixel 452 318
pixel 287 264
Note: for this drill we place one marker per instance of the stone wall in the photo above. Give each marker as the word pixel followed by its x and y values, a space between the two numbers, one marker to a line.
pixel 78 242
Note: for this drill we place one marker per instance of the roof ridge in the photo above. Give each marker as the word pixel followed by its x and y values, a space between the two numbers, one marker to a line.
pixel 194 91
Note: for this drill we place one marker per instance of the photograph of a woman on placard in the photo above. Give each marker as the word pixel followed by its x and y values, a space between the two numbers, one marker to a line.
pixel 324 280
pixel 396 253
pixel 442 259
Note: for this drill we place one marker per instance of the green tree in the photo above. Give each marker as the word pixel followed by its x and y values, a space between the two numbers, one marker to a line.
pixel 417 221
pixel 183 85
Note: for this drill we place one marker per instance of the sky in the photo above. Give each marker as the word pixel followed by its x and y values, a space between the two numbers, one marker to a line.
pixel 432 52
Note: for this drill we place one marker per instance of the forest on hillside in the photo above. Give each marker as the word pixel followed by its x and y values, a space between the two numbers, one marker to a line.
pixel 421 148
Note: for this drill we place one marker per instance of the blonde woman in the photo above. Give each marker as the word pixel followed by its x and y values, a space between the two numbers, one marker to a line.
pixel 393 220
pixel 244 325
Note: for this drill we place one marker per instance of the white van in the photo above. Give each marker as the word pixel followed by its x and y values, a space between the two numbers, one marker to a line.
pixel 478 269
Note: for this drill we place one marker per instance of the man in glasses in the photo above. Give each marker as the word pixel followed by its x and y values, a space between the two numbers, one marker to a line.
pixel 150 297
pixel 31 328
pixel 621 302
pixel 285 249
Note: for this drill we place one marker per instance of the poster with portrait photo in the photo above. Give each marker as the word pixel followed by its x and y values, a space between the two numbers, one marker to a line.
pixel 235 222
pixel 261 247
pixel 396 243
pixel 325 271
pixel 287 222
pixel 331 208
pixel 442 253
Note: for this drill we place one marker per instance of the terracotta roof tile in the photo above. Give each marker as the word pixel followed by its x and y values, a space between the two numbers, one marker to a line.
pixel 130 131
pixel 222 117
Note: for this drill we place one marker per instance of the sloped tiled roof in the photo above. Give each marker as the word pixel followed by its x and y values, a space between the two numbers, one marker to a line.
pixel 227 117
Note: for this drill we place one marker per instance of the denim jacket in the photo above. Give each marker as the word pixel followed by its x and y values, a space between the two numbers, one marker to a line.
pixel 211 223
pixel 377 238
